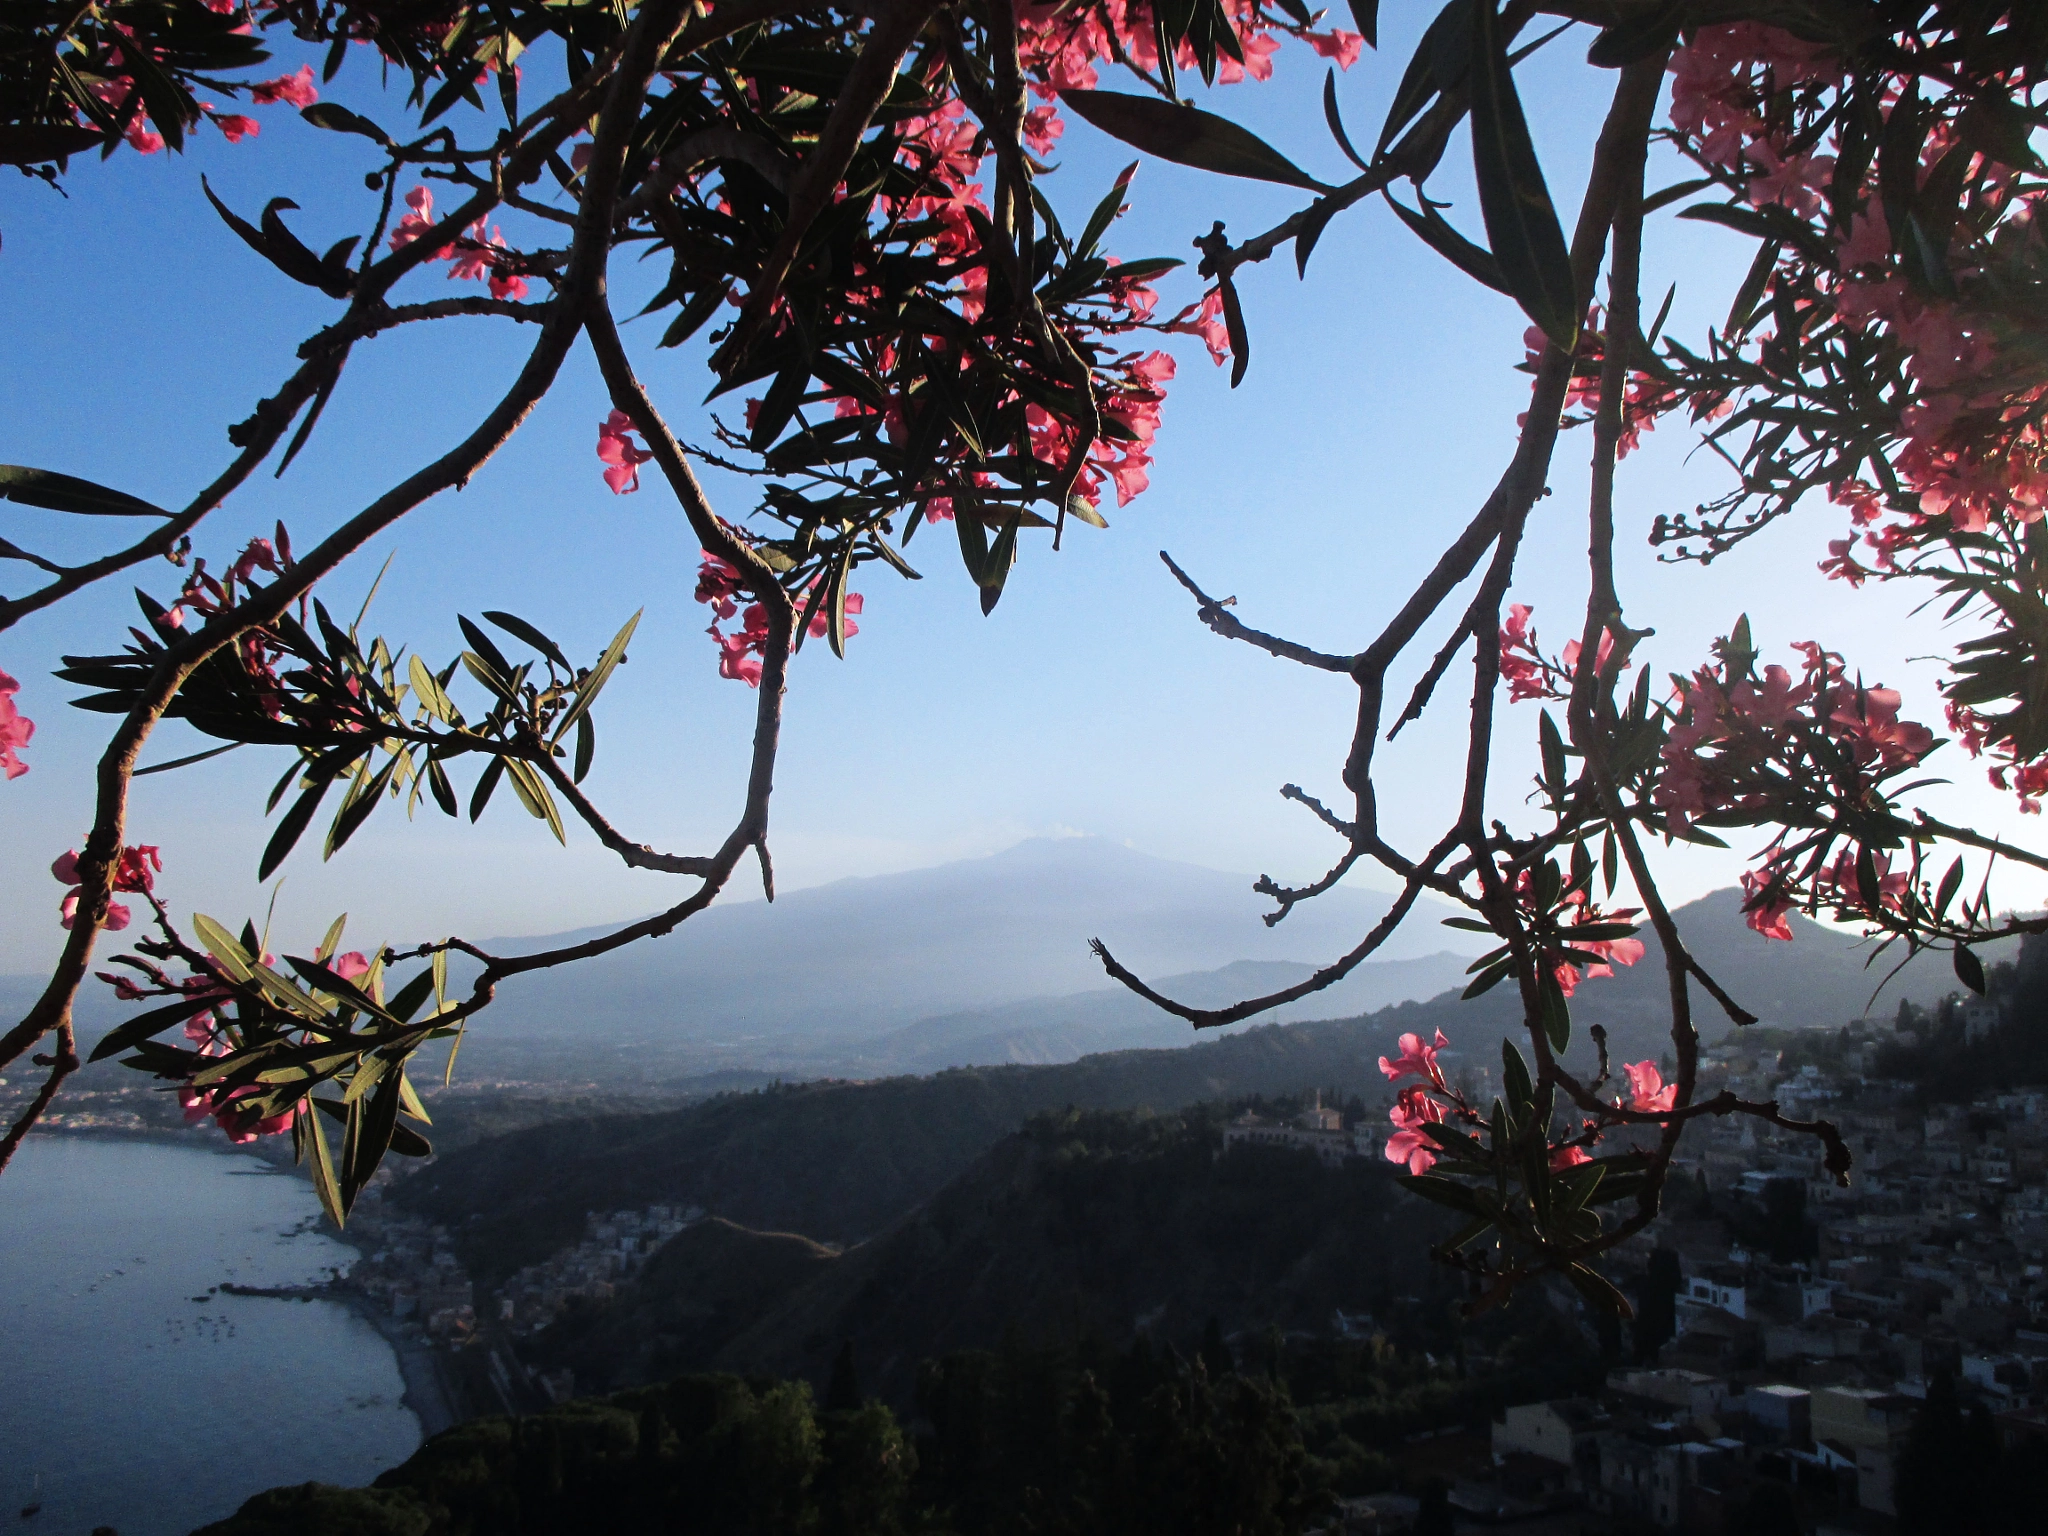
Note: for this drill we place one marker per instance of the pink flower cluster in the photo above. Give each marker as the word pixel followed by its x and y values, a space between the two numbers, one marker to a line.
pixel 620 453
pixel 739 653
pixel 15 729
pixel 1528 673
pixel 1644 399
pixel 1735 743
pixel 1430 1101
pixel 1720 80
pixel 1612 952
pixel 118 90
pixel 473 256
pixel 136 871
pixel 1414 1106
pixel 206 596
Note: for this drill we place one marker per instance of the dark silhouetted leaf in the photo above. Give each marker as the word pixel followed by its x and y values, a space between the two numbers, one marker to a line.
pixel 1366 13
pixel 32 143
pixel 68 493
pixel 1473 260
pixel 1969 970
pixel 338 119
pixel 1521 222
pixel 520 629
pixel 1636 38
pixel 1188 136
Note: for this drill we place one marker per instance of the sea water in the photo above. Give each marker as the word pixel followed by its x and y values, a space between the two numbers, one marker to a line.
pixel 132 1393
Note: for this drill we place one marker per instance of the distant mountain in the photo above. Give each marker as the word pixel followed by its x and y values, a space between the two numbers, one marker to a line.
pixel 862 957
pixel 1823 977
pixel 1042 1031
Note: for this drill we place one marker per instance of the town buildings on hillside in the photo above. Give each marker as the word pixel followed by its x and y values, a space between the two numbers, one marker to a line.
pixel 1811 1320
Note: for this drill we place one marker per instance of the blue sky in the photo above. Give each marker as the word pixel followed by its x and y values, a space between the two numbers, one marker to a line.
pixel 1378 411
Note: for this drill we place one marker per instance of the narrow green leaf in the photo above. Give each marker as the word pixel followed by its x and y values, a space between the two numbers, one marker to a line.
pixel 1001 556
pixel 332 942
pixel 430 693
pixel 1521 223
pixel 146 1025
pixel 1950 884
pixel 1366 13
pixel 1515 1078
pixel 1553 755
pixel 1475 261
pixel 1335 119
pixel 219 943
pixel 290 829
pixel 1557 1014
pixel 486 782
pixel 586 747
pixel 587 690
pixel 533 793
pixel 1488 979
pixel 322 1162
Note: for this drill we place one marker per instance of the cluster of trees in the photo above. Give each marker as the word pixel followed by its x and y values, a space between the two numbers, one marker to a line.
pixel 1950 1068
pixel 1956 1474
pixel 1011 1443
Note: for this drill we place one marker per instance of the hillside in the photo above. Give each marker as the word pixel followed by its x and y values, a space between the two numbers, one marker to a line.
pixel 1083 1226
pixel 841 1161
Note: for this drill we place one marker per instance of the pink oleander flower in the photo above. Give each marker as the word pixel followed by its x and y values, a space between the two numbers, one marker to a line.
pixel 1765 912
pixel 297 89
pixel 236 127
pixel 718 584
pixel 1205 319
pixel 1342 46
pixel 1873 724
pixel 417 222
pixel 1416 1060
pixel 736 659
pixel 1562 1158
pixel 1042 128
pixel 621 455
pixel 136 870
pixel 349 966
pixel 15 729
pixel 117 916
pixel 1648 1093
pixel 821 621
pixel 1409 1144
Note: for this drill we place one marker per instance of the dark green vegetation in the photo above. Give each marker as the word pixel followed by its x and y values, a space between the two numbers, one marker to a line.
pixel 1071 1421
pixel 2013 1054
pixel 1014 1443
pixel 1954 1475
pixel 840 1162
pixel 1087 1224
pixel 1089 1231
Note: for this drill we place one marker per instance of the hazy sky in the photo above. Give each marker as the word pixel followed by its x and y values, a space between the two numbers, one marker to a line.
pixel 1378 412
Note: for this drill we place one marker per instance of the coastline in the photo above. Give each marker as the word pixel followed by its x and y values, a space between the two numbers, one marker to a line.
pixel 426 1394
pixel 426 1389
